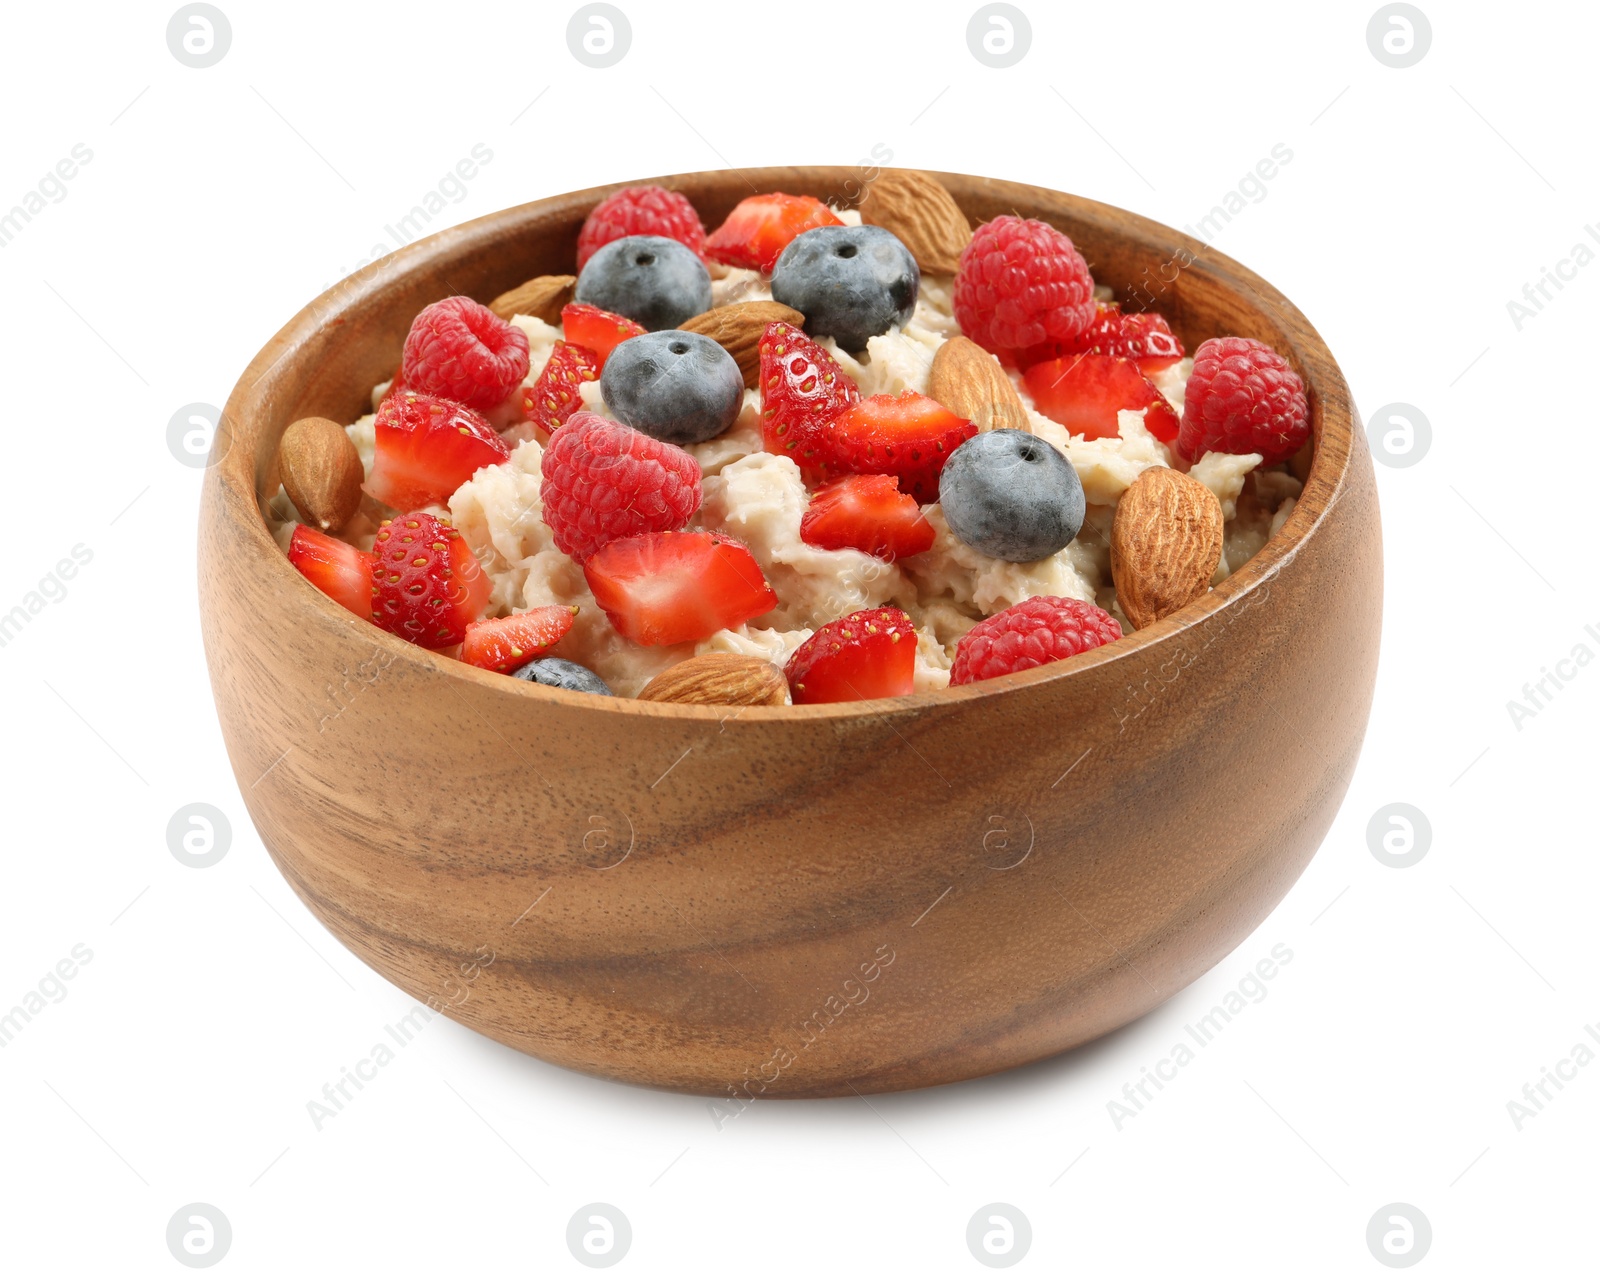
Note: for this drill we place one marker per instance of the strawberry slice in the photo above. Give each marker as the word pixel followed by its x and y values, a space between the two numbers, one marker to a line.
pixel 868 654
pixel 504 644
pixel 802 390
pixel 597 330
pixel 1084 391
pixel 1144 339
pixel 671 586
pixel 338 569
pixel 868 512
pixel 907 436
pixel 427 586
pixel 550 401
pixel 426 447
pixel 760 227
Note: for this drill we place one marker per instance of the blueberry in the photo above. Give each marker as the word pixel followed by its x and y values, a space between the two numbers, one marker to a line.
pixel 852 282
pixel 676 386
pixel 558 673
pixel 1011 495
pixel 658 282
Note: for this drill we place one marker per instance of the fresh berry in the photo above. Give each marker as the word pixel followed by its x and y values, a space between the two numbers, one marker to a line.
pixel 802 390
pixel 676 386
pixel 426 447
pixel 867 512
pixel 602 480
pixel 558 673
pixel 868 654
pixel 504 644
pixel 1084 391
pixel 852 282
pixel 460 350
pixel 760 227
pixel 596 330
pixel 339 570
pixel 641 210
pixel 550 401
pixel 426 584
pixel 908 436
pixel 657 282
pixel 1021 283
pixel 1144 339
pixel 1243 398
pixel 1011 495
pixel 1038 630
pixel 660 589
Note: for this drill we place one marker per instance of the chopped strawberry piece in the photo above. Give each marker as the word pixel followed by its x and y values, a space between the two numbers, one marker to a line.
pixel 760 227
pixel 868 512
pixel 596 329
pixel 338 569
pixel 1144 339
pixel 802 390
pixel 550 401
pixel 427 447
pixel 907 436
pixel 426 584
pixel 1084 391
pixel 868 654
pixel 672 586
pixel 504 644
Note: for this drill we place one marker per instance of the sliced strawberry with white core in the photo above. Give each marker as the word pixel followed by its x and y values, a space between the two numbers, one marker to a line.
pixel 868 654
pixel 504 644
pixel 672 586
pixel 426 448
pixel 597 330
pixel 867 512
pixel 1084 391
pixel 338 569
pixel 760 227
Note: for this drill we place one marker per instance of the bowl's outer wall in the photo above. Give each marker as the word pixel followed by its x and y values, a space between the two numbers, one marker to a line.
pixel 790 902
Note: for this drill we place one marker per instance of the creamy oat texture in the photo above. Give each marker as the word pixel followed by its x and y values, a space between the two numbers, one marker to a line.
pixel 759 499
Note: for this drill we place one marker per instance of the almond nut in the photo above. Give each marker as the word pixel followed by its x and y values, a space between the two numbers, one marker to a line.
pixel 321 472
pixel 733 680
pixel 920 212
pixel 1166 540
pixel 541 297
pixel 966 378
pixel 739 328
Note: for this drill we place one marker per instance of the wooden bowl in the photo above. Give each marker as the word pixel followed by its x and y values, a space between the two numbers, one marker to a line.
pixel 798 901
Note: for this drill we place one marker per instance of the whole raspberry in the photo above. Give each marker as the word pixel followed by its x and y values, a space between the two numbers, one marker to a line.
pixel 460 350
pixel 641 210
pixel 1022 283
pixel 1038 630
pixel 1242 398
pixel 603 481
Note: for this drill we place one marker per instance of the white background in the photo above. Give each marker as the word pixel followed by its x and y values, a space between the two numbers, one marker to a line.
pixel 1418 1002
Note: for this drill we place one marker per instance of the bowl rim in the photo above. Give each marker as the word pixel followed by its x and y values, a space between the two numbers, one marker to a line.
pixel 1327 394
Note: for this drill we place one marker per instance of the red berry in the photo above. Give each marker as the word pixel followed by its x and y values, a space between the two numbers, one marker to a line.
pixel 603 480
pixel 868 654
pixel 596 329
pixel 1084 391
pixel 460 350
pixel 802 390
pixel 868 512
pixel 1021 283
pixel 426 584
pixel 1038 630
pixel 760 227
pixel 553 397
pixel 909 437
pixel 338 569
pixel 1243 398
pixel 641 210
pixel 504 644
pixel 426 447
pixel 1144 339
pixel 661 589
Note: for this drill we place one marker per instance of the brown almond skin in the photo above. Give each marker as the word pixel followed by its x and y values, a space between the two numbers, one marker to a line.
pixel 1166 541
pixel 733 680
pixel 968 380
pixel 921 213
pixel 321 472
pixel 739 328
pixel 540 297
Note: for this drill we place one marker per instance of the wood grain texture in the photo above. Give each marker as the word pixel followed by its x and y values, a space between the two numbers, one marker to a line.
pixel 794 901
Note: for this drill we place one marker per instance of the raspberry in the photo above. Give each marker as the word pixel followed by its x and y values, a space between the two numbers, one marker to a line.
pixel 641 210
pixel 426 584
pixel 1038 630
pixel 1022 283
pixel 460 350
pixel 603 481
pixel 1242 398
